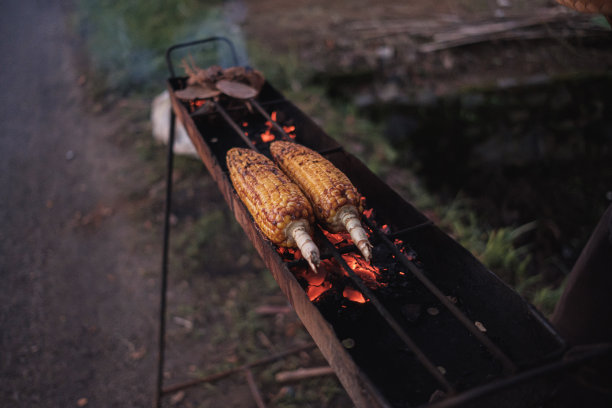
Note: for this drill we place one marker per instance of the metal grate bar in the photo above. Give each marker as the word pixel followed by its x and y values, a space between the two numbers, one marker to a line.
pixel 414 228
pixel 397 328
pixel 509 366
pixel 234 126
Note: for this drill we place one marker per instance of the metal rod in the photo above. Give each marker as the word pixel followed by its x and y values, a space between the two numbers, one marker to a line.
pixel 509 366
pixel 567 362
pixel 164 268
pixel 263 112
pixel 227 373
pixel 253 387
pixel 411 229
pixel 234 125
pixel 397 328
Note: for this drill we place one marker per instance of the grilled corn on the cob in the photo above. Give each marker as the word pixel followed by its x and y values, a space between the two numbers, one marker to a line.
pixel 335 200
pixel 278 206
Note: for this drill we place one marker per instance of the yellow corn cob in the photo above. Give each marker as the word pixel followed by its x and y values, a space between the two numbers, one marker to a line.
pixel 277 205
pixel 335 200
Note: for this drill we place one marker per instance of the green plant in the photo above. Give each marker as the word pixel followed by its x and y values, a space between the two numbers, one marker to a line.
pixel 546 298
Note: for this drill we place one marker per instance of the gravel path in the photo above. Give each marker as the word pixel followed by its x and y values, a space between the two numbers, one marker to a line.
pixel 77 311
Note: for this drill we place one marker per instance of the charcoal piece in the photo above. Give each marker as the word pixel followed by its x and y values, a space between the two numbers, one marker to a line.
pixel 411 312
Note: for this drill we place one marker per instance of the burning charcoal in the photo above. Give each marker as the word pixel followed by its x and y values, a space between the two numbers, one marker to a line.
pixel 411 312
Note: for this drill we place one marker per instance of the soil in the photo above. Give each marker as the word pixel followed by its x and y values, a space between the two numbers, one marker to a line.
pixel 80 243
pixel 77 304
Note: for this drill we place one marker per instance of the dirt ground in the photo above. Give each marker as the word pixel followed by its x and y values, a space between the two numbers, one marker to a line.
pixel 76 312
pixel 80 240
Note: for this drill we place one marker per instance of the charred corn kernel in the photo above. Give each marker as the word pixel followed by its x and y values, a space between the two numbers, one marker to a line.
pixel 336 202
pixel 277 205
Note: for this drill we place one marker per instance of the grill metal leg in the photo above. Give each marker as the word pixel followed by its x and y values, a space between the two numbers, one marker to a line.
pixel 164 267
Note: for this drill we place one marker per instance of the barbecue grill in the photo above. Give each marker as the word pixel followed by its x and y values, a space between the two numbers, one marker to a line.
pixel 426 324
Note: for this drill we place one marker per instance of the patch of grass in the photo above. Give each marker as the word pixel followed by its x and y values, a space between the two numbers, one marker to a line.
pixel 211 241
pixel 546 298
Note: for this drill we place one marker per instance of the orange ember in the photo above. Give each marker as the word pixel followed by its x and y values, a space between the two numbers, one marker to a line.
pixel 267 136
pixel 317 282
pixel 195 104
pixel 368 213
pixel 289 131
pixel 368 273
pixel 342 238
pixel 331 275
pixel 353 295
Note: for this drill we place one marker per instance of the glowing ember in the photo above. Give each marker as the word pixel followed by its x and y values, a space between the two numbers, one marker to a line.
pixel 368 213
pixel 289 131
pixel 318 283
pixel 385 228
pixel 331 275
pixel 267 136
pixel 339 240
pixel 314 291
pixel 196 103
pixel 353 295
pixel 368 273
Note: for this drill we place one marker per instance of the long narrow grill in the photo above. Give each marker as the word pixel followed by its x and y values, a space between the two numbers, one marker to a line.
pixel 510 346
pixel 508 365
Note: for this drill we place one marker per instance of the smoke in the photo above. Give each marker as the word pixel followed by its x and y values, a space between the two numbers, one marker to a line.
pixel 127 41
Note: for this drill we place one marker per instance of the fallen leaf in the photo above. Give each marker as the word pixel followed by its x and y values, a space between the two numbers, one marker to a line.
pixel 176 398
pixel 138 354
